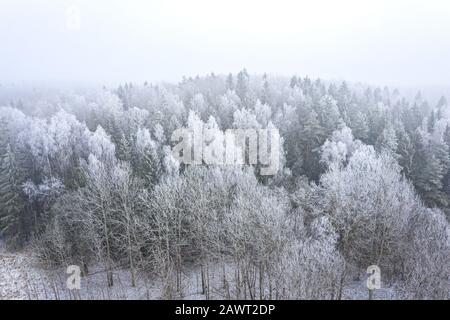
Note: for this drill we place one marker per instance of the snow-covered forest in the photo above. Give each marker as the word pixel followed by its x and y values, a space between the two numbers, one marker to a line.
pixel 87 178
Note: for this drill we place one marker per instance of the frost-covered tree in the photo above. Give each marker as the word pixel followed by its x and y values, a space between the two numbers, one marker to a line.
pixel 430 167
pixel 310 137
pixel 387 142
pixel 14 225
pixel 242 87
pixel 340 148
pixel 148 158
pixel 363 178
pixel 428 257
pixel 370 204
pixel 230 82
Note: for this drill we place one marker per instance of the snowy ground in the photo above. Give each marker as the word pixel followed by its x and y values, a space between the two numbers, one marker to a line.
pixel 21 278
pixel 357 290
pixel 15 275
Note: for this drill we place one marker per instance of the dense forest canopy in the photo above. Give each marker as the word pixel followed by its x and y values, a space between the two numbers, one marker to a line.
pixel 364 179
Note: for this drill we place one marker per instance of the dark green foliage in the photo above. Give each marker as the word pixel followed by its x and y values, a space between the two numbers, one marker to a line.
pixel 12 214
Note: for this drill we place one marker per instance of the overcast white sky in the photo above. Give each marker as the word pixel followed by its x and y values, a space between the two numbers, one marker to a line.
pixel 398 42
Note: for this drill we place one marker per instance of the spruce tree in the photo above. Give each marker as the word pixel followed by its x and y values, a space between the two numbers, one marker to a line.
pixel 359 126
pixel 388 142
pixel 405 150
pixel 431 165
pixel 12 222
pixel 429 182
pixel 310 136
pixel 151 168
pixel 230 82
pixel 442 102
pixel 124 149
pixel 294 82
pixel 242 86
pixel 265 97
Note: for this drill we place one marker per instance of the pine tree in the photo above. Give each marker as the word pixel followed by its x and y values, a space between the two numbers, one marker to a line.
pixel 332 90
pixel 310 136
pixel 442 102
pixel 359 126
pixel 431 165
pixel 343 94
pixel 429 182
pixel 4 136
pixel 151 168
pixel 230 82
pixel 11 202
pixel 441 150
pixel 446 140
pixel 387 141
pixel 242 86
pixel 294 82
pixel 328 114
pixel 147 159
pixel 265 97
pixel 431 122
pixel 405 150
pixel 124 149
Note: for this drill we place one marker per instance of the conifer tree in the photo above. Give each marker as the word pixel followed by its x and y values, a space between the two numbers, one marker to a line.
pixel 230 82
pixel 124 149
pixel 388 141
pixel 12 224
pixel 359 126
pixel 294 82
pixel 242 86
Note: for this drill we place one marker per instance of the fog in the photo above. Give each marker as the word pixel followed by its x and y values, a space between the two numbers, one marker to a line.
pixel 400 43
